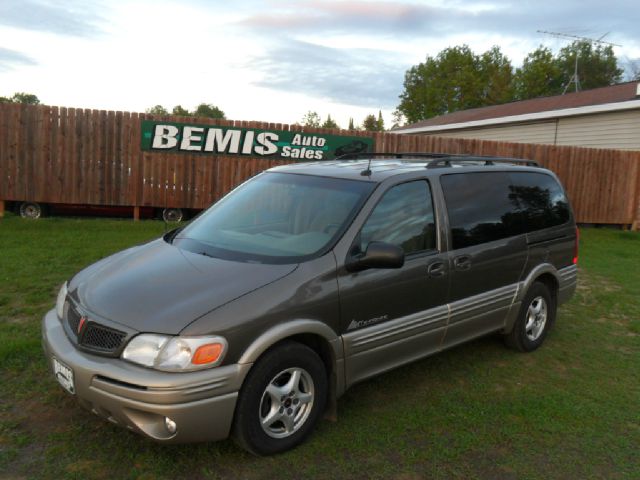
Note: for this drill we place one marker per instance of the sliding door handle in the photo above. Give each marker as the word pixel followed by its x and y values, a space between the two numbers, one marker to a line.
pixel 436 269
pixel 463 262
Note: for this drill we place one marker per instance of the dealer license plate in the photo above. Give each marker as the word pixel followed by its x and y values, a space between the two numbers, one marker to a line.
pixel 64 375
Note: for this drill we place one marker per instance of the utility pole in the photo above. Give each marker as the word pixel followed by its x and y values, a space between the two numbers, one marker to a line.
pixel 575 78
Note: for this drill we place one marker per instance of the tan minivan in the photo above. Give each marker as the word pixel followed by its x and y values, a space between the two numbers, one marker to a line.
pixel 257 316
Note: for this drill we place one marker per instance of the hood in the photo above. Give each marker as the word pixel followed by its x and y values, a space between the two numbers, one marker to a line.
pixel 160 288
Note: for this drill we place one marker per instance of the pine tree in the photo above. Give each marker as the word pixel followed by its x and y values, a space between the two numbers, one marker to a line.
pixel 380 121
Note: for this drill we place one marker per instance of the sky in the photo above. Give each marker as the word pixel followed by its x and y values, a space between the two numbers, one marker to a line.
pixel 272 60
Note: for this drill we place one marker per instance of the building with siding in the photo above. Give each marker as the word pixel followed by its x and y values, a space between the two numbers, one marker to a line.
pixel 607 117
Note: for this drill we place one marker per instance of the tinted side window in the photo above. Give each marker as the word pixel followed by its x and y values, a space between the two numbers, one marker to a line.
pixel 479 208
pixel 540 199
pixel 403 217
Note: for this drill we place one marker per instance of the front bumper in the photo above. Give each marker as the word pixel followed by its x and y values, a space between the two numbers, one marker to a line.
pixel 200 403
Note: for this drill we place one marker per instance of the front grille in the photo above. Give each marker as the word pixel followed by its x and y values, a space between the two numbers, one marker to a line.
pixel 92 336
pixel 73 319
pixel 101 338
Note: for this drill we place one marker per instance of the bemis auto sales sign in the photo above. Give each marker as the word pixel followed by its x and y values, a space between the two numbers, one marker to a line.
pixel 216 140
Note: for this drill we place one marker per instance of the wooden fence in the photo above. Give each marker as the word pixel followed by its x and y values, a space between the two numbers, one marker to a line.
pixel 80 156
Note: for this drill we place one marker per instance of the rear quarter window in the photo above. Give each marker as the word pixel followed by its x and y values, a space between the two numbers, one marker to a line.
pixel 540 199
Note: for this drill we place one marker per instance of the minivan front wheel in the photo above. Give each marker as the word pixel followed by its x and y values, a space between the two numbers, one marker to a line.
pixel 281 400
pixel 536 316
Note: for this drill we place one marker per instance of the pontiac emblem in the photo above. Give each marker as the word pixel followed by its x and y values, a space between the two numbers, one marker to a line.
pixel 83 320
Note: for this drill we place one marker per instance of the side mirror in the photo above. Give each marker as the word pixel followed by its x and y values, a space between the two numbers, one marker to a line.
pixel 378 255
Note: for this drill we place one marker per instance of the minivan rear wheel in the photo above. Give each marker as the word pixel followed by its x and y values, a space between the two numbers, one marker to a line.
pixel 535 318
pixel 281 400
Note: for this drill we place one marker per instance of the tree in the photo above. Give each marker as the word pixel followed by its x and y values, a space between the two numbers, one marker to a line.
pixel 539 76
pixel 21 97
pixel 208 110
pixel 28 98
pixel 597 65
pixel 633 70
pixel 157 110
pixel 398 119
pixel 179 110
pixel 351 125
pixel 370 124
pixel 496 77
pixel 311 119
pixel 380 122
pixel 457 79
pixel 330 123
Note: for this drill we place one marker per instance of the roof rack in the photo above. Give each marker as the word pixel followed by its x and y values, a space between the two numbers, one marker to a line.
pixel 446 162
pixel 438 160
pixel 406 155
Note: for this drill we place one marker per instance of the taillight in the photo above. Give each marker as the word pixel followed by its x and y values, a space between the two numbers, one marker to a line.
pixel 575 247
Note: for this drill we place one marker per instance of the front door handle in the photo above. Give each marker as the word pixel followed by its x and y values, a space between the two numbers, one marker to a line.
pixel 463 262
pixel 436 269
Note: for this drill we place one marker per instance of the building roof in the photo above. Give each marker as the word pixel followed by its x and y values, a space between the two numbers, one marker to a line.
pixel 536 108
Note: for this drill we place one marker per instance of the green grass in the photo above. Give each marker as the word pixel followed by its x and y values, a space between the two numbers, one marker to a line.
pixel 569 410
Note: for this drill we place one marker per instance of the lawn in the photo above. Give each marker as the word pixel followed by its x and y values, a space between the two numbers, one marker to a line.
pixel 568 410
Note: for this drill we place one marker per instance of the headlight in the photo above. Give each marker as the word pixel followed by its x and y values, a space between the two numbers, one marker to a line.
pixel 175 354
pixel 62 296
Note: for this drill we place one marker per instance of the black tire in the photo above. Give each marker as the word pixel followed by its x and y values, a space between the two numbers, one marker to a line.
pixel 31 210
pixel 172 215
pixel 255 403
pixel 526 335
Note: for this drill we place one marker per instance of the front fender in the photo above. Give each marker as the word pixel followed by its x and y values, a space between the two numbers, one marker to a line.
pixel 289 329
pixel 292 328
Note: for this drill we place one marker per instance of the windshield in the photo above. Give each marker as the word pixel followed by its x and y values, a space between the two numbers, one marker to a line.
pixel 276 218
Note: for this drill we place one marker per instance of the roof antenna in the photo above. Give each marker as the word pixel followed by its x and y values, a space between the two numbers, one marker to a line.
pixel 367 172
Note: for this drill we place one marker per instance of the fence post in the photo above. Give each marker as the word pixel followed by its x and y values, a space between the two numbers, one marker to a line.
pixel 635 226
pixel 136 214
pixel 1 208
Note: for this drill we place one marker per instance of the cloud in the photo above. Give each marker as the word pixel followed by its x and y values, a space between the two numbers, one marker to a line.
pixel 405 19
pixel 68 18
pixel 347 17
pixel 356 76
pixel 372 78
pixel 11 58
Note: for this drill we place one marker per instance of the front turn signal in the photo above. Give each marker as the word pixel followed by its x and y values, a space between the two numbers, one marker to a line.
pixel 208 353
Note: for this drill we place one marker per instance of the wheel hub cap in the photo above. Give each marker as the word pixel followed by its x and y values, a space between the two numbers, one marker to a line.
pixel 286 402
pixel 536 318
